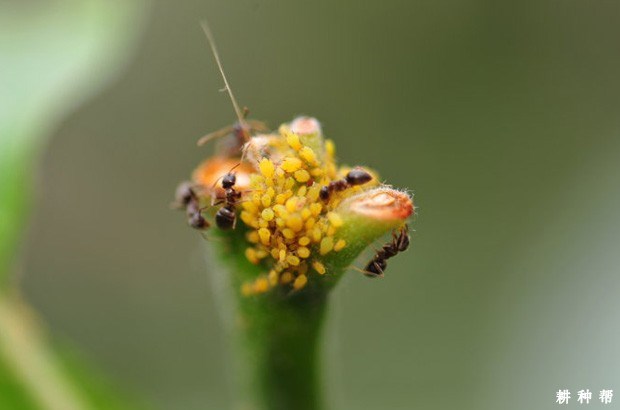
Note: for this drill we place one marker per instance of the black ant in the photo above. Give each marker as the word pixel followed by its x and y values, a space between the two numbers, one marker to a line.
pixel 186 198
pixel 226 216
pixel 399 243
pixel 354 177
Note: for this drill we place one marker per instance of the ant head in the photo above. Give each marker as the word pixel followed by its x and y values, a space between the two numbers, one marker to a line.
pixel 184 193
pixel 229 180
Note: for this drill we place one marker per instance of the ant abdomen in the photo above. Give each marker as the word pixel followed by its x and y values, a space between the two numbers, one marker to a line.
pixel 355 177
pixel 358 176
pixel 225 218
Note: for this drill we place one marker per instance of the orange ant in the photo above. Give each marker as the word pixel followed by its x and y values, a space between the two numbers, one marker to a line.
pixel 354 177
pixel 399 243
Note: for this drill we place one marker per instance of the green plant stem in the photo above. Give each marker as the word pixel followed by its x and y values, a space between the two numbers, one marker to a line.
pixel 274 337
pixel 278 340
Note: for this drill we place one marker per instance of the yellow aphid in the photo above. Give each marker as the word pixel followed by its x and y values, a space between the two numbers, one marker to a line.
pixel 302 190
pixel 282 255
pixel 275 253
pixel 286 277
pixel 291 204
pixel 300 282
pixel 265 200
pixel 292 260
pixel 266 168
pixel 262 223
pixel 267 214
pixel 331 230
pixel 280 210
pixel 341 243
pixel 316 208
pixel 250 207
pixel 252 237
pixel 310 223
pixel 330 148
pixel 331 170
pixel 280 222
pixel 316 234
pixel 261 285
pixel 334 219
pixel 256 180
pixel 288 233
pixel 304 240
pixel 303 252
pixel 293 141
pixel 273 277
pixel 307 154
pixel 317 172
pixel 295 222
pixel 250 254
pixel 281 198
pixel 291 164
pixel 305 214
pixel 288 185
pixel 319 267
pixel 327 244
pixel 313 193
pixel 256 198
pixel 302 175
pixel 249 219
pixel 264 235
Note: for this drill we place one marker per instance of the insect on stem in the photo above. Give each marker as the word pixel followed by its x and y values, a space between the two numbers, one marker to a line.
pixel 205 27
pixel 244 127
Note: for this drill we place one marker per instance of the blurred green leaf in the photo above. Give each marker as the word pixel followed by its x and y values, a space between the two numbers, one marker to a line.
pixel 53 55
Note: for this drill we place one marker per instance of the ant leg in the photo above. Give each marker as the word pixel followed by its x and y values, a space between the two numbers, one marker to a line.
pixel 369 274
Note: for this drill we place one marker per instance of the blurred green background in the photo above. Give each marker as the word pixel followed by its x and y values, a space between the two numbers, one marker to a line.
pixel 502 117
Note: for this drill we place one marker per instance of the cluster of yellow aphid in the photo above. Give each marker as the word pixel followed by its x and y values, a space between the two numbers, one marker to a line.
pixel 288 222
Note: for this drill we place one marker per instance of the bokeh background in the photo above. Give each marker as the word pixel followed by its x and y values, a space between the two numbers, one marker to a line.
pixel 502 117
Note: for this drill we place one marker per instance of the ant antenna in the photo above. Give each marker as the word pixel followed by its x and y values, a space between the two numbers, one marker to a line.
pixel 205 27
